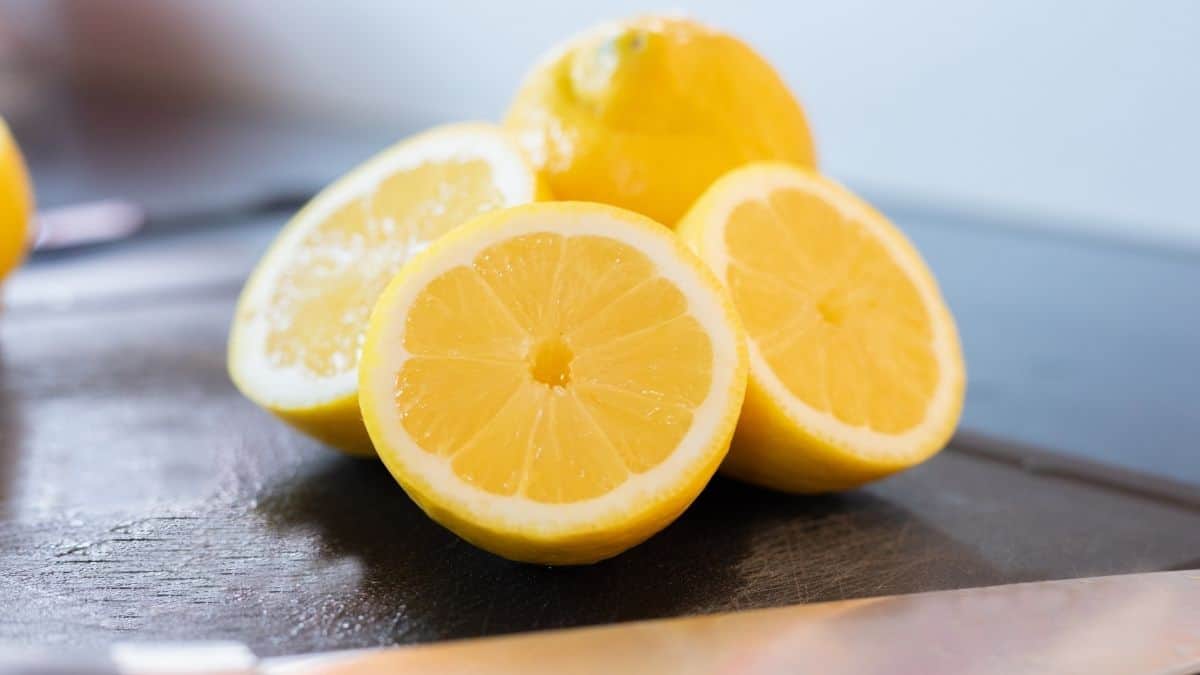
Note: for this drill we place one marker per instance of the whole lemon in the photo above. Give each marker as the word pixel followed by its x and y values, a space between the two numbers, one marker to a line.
pixel 16 203
pixel 647 113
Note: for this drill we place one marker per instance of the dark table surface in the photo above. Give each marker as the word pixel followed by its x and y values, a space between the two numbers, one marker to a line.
pixel 141 497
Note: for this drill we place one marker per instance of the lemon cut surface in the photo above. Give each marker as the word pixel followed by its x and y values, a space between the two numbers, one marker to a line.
pixel 855 365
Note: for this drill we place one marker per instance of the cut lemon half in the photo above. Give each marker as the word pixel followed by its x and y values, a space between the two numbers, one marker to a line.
pixel 296 335
pixel 855 365
pixel 553 382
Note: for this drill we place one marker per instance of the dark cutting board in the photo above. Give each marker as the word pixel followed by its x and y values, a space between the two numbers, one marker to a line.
pixel 142 497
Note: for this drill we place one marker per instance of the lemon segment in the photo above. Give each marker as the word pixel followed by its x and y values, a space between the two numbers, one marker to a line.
pixel 646 113
pixel 855 365
pixel 553 382
pixel 296 336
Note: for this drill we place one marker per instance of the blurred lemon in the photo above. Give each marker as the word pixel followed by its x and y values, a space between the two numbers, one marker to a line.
pixel 16 203
pixel 647 113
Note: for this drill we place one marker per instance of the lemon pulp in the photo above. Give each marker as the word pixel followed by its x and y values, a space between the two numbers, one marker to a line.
pixel 831 312
pixel 572 364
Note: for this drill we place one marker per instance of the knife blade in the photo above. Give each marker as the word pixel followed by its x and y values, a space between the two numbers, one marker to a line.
pixel 1142 623
pixel 86 225
pixel 1138 623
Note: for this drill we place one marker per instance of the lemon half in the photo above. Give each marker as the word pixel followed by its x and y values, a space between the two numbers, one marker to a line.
pixel 855 366
pixel 554 382
pixel 296 335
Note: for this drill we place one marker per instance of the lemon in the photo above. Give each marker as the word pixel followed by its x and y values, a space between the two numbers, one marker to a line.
pixel 553 382
pixel 16 203
pixel 647 113
pixel 296 335
pixel 855 365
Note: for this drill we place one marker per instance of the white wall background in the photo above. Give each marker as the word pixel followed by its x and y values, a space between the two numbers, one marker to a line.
pixel 1086 112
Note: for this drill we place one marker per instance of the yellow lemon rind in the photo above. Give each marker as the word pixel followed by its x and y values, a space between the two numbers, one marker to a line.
pixel 651 161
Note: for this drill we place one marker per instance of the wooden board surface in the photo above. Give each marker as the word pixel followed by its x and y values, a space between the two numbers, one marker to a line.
pixel 141 497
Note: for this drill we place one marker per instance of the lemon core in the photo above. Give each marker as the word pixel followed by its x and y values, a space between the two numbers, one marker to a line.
pixel 551 362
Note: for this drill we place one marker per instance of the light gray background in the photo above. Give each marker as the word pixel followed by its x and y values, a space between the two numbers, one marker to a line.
pixel 1079 113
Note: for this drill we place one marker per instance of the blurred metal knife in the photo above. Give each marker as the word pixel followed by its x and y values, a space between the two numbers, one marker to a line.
pixel 1141 623
pixel 79 226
